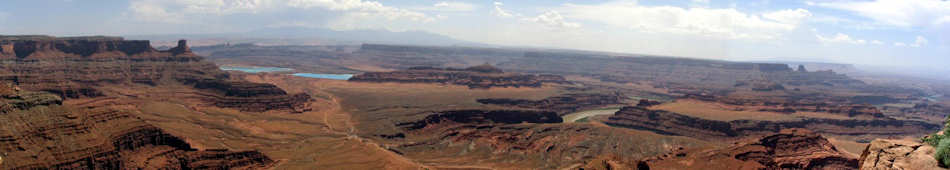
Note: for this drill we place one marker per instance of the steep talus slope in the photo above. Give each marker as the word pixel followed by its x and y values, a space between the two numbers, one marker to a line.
pixel 665 122
pixel 788 149
pixel 46 135
pixel 484 76
pixel 74 67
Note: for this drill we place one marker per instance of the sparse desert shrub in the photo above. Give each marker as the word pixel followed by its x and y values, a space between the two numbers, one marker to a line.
pixel 941 141
pixel 933 140
pixel 943 152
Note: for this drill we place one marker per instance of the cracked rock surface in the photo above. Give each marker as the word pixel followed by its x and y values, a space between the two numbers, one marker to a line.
pixel 887 154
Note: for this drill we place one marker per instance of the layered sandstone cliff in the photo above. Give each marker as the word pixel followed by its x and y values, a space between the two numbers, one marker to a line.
pixel 483 117
pixel 665 122
pixel 47 135
pixel 519 139
pixel 74 67
pixel 483 76
pixel 788 149
pixel 825 105
pixel 562 104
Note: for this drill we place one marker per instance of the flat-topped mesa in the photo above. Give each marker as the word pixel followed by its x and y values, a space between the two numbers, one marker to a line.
pixel 830 106
pixel 671 123
pixel 483 76
pixel 562 104
pixel 454 117
pixel 26 47
pixel 76 67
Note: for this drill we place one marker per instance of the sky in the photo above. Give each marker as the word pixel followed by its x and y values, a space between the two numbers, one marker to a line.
pixel 884 33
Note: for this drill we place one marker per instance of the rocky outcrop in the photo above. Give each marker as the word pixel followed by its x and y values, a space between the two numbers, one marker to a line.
pixel 66 137
pixel 534 146
pixel 825 105
pixel 788 149
pixel 669 123
pixel 665 122
pixel 255 97
pixel 12 99
pixel 889 154
pixel 75 67
pixel 645 103
pixel 483 117
pixel 562 104
pixel 484 76
pixel 796 149
pixel 934 110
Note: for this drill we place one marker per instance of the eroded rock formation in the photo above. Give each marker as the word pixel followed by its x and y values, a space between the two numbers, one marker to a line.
pixel 483 117
pixel 562 104
pixel 484 76
pixel 838 107
pixel 249 96
pixel 889 154
pixel 665 122
pixel 47 135
pixel 788 149
pixel 74 67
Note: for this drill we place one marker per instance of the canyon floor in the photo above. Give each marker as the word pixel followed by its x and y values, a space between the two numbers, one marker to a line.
pixel 408 107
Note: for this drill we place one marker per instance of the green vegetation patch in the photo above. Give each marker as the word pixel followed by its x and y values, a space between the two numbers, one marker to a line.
pixel 942 143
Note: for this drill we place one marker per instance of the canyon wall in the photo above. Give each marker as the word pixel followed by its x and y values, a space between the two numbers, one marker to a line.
pixel 46 135
pixel 562 104
pixel 664 122
pixel 483 117
pixel 75 67
pixel 787 149
pixel 483 76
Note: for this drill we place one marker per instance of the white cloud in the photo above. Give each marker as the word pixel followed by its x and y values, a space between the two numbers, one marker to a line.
pixel 942 20
pixel 901 13
pixel 222 7
pixel 553 19
pixel 498 11
pixel 841 38
pixel 920 41
pixel 179 11
pixel 877 42
pixel 790 16
pixel 362 9
pixel 154 11
pixel 447 6
pixel 727 23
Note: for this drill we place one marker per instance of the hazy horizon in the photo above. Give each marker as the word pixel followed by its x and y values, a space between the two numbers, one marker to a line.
pixel 883 33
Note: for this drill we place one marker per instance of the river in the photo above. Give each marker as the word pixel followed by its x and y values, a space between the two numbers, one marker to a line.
pixel 573 117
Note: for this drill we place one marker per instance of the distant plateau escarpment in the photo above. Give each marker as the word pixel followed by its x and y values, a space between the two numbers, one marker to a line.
pixel 75 67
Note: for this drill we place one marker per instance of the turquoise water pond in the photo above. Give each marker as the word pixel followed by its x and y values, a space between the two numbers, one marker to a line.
pixel 256 69
pixel 325 76
pixel 278 69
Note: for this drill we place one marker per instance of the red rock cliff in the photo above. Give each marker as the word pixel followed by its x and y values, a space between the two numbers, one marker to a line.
pixel 46 135
pixel 74 67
